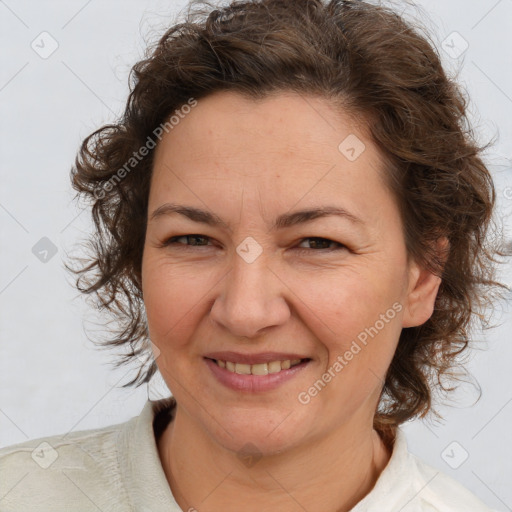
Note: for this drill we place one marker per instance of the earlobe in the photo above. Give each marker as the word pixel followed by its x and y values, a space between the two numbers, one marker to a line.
pixel 423 289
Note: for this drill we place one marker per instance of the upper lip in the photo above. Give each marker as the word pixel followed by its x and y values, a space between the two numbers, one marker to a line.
pixel 262 357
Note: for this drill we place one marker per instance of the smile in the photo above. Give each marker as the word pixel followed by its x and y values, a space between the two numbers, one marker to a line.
pixel 258 369
pixel 260 376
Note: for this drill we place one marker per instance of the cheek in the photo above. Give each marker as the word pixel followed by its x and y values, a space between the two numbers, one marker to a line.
pixel 356 315
pixel 171 298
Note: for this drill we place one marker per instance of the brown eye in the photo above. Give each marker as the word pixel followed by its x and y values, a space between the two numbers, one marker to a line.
pixel 191 240
pixel 321 244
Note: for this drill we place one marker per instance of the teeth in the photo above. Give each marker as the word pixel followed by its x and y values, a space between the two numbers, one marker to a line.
pixel 258 369
pixel 243 369
pixel 274 367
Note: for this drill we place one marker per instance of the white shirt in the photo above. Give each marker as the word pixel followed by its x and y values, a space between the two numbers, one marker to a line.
pixel 117 468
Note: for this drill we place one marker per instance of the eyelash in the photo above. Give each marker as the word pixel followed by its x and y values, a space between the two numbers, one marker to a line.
pixel 172 241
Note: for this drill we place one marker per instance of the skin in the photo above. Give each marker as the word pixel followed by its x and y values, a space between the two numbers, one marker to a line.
pixel 249 161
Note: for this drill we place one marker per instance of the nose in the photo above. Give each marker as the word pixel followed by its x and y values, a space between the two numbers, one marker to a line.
pixel 251 299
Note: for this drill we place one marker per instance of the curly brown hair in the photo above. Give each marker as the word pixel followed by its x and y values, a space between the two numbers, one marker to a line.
pixel 364 59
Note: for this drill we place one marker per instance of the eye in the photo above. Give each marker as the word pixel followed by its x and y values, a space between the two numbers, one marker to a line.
pixel 195 240
pixel 320 243
pixel 189 238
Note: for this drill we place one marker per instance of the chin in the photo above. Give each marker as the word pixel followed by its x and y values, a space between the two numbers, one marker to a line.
pixel 264 431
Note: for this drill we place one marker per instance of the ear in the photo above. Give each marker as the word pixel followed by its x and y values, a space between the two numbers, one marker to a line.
pixel 422 289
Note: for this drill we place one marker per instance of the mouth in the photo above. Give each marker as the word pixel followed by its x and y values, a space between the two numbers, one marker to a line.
pixel 256 373
pixel 259 368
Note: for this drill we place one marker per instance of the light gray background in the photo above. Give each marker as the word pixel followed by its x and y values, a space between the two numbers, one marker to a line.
pixel 52 378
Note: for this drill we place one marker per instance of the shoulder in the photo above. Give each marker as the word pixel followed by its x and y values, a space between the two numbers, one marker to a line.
pixel 51 473
pixel 410 485
pixel 440 492
pixel 112 469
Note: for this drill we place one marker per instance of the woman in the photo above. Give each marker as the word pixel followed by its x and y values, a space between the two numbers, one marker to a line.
pixel 292 211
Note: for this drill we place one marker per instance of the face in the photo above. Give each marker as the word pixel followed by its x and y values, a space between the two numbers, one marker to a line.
pixel 250 280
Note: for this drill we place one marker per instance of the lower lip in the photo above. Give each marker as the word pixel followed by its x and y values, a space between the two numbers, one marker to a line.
pixel 253 383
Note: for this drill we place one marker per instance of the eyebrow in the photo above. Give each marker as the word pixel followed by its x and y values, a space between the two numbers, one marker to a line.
pixel 285 220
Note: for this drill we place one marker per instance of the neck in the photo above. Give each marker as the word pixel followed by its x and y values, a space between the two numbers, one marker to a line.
pixel 332 472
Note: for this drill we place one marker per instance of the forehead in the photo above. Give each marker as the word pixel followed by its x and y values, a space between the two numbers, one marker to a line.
pixel 294 120
pixel 285 148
